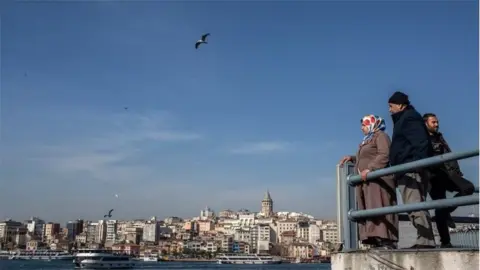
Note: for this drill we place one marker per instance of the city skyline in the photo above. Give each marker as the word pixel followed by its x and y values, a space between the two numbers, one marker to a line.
pixel 192 217
pixel 106 98
pixel 208 234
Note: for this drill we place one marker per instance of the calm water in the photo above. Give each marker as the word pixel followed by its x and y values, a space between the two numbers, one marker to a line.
pixel 39 265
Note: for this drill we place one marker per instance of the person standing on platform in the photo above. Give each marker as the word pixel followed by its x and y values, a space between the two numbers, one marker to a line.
pixel 373 154
pixel 445 177
pixel 411 142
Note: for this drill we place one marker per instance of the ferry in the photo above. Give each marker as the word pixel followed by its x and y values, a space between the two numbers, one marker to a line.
pixel 102 259
pixel 247 259
pixel 46 255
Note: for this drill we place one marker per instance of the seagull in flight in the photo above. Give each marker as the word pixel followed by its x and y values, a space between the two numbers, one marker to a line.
pixel 202 40
pixel 109 214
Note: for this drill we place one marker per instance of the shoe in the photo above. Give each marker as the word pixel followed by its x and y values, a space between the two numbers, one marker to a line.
pixel 421 247
pixel 447 245
pixel 387 244
pixel 370 241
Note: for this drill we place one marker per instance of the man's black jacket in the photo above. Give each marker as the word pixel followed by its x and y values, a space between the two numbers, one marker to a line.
pixel 410 139
pixel 440 147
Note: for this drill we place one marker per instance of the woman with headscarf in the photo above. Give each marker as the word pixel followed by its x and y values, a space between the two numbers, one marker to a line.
pixel 373 154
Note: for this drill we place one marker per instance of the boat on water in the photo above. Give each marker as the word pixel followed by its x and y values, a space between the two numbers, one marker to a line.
pixel 150 258
pixel 102 259
pixel 46 255
pixel 247 259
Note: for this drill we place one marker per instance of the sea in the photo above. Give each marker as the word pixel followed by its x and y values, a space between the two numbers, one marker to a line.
pixel 68 265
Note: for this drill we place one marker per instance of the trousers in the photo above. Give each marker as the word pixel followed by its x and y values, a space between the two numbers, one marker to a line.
pixel 442 181
pixel 413 189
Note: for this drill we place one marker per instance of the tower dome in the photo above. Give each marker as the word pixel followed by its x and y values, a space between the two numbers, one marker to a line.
pixel 267 205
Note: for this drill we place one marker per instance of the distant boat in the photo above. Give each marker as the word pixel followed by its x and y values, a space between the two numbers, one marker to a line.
pixel 150 258
pixel 247 259
pixel 102 259
pixel 45 255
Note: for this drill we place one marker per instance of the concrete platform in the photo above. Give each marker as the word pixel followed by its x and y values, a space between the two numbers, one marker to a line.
pixel 407 259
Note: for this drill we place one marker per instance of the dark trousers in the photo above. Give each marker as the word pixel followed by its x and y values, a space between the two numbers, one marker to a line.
pixel 442 181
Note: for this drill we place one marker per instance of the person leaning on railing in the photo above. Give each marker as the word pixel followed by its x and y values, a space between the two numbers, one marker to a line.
pixel 444 177
pixel 372 154
pixel 410 142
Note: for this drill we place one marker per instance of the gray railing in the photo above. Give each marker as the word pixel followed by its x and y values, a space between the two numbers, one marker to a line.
pixel 465 238
pixel 347 179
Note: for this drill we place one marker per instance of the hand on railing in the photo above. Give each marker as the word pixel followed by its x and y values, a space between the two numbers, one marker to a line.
pixel 345 159
pixel 363 174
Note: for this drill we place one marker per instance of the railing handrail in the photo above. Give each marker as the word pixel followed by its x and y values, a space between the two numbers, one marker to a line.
pixel 411 207
pixel 456 219
pixel 427 162
pixel 347 179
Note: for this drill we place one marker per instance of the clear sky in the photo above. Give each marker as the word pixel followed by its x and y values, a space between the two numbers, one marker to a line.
pixel 272 102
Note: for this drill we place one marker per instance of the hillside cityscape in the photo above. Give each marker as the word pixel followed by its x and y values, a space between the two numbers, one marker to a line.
pixel 286 234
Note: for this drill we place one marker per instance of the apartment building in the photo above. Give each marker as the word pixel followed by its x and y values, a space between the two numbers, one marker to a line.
pixel 286 225
pixel 8 229
pixel 50 231
pixel 111 233
pixel 263 238
pixel 35 226
pixel 329 235
pixel 151 232
pixel 100 231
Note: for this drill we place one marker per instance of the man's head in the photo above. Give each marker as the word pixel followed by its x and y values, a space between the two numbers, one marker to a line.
pixel 398 102
pixel 431 121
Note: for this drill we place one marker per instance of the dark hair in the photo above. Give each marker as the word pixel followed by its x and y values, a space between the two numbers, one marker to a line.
pixel 428 115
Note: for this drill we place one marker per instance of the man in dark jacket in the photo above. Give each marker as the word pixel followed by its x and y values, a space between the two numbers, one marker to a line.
pixel 410 142
pixel 445 177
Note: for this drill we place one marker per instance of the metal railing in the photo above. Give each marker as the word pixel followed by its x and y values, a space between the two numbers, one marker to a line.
pixel 465 238
pixel 347 179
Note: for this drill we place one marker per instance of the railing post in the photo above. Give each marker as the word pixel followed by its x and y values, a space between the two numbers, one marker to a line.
pixel 347 230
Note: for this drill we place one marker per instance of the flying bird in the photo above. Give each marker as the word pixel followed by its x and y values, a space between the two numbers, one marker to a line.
pixel 202 40
pixel 125 108
pixel 109 214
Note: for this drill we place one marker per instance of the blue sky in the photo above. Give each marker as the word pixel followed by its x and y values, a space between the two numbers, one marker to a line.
pixel 272 102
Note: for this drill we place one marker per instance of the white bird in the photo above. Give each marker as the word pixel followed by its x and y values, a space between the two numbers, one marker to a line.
pixel 116 195
pixel 202 40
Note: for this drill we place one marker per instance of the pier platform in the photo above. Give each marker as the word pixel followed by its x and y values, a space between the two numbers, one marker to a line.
pixel 407 259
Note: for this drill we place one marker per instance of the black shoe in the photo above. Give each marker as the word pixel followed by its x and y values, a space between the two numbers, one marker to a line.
pixel 371 241
pixel 447 245
pixel 421 247
pixel 387 244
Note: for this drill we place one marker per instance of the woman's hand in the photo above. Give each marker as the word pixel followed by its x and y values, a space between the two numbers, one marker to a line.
pixel 363 174
pixel 345 159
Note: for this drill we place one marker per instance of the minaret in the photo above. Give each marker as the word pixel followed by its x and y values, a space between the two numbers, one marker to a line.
pixel 267 205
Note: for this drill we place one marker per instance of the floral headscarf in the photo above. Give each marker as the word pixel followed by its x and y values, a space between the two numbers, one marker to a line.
pixel 374 123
